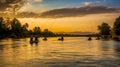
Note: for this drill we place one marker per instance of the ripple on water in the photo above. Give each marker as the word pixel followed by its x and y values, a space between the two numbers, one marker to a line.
pixel 73 52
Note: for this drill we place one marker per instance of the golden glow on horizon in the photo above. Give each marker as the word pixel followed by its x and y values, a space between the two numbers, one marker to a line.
pixel 87 23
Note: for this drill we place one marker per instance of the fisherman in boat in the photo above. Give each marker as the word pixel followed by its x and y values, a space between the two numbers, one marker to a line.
pixel 45 39
pixel 62 38
pixel 89 38
pixel 31 38
pixel 36 38
pixel 98 38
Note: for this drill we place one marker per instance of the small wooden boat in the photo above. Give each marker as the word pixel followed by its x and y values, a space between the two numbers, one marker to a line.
pixel 89 38
pixel 61 39
pixel 45 39
pixel 31 42
pixel 98 38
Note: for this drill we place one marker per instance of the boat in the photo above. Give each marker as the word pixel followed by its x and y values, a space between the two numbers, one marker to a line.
pixel 45 39
pixel 89 38
pixel 31 42
pixel 61 39
pixel 98 38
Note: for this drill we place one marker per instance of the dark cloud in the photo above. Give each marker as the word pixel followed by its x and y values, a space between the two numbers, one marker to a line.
pixel 4 4
pixel 73 12
pixel 27 15
pixel 69 12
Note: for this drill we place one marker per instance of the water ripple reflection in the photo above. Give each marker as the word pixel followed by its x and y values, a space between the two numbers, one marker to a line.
pixel 73 52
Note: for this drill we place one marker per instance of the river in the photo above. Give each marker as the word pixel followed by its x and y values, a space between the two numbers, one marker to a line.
pixel 73 52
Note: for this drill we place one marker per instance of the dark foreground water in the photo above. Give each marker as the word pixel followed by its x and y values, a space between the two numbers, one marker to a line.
pixel 73 52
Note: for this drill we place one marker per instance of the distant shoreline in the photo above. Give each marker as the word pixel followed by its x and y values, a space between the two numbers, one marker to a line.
pixel 58 36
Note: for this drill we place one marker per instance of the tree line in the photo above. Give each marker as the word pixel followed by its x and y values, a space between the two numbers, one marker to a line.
pixel 106 30
pixel 12 28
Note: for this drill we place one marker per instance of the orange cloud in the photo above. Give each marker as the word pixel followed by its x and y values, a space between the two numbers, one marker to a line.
pixel 37 0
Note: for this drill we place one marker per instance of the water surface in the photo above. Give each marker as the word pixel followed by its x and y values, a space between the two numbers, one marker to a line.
pixel 73 52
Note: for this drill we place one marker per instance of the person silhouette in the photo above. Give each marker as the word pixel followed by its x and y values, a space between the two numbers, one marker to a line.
pixel 62 38
pixel 36 38
pixel 31 38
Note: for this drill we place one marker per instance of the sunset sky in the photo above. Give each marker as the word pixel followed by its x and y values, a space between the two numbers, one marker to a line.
pixel 67 15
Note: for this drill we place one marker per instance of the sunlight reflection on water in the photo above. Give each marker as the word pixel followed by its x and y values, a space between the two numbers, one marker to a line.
pixel 73 52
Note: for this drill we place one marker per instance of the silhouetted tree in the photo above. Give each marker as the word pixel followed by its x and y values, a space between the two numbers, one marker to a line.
pixel 47 33
pixel 25 29
pixel 37 31
pixel 13 28
pixel 16 28
pixel 30 32
pixel 3 28
pixel 116 26
pixel 104 29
